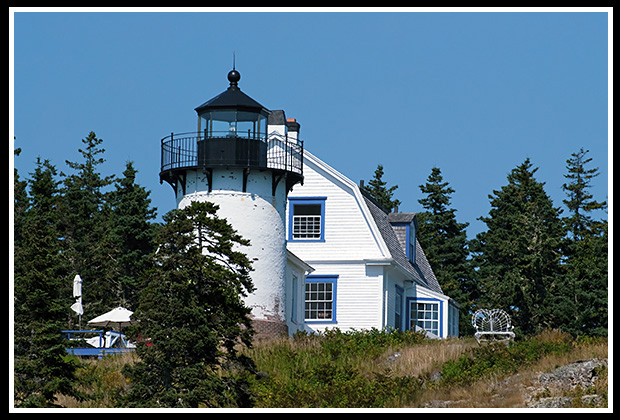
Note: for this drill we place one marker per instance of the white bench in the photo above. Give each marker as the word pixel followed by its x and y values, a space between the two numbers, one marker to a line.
pixel 492 324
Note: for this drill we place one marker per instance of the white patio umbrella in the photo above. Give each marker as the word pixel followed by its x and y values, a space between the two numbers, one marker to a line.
pixel 77 286
pixel 117 317
pixel 77 293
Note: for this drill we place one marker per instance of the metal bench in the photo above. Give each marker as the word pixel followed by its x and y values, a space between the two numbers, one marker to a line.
pixel 492 325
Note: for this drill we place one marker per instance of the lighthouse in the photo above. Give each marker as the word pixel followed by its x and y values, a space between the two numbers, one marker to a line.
pixel 244 158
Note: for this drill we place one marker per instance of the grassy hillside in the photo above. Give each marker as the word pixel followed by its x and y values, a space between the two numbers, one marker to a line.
pixel 385 369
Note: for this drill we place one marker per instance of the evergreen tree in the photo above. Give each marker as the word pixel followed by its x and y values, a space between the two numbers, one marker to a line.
pixel 580 202
pixel 132 233
pixel 21 203
pixel 42 367
pixel 585 287
pixel 86 229
pixel 192 314
pixel 518 257
pixel 444 241
pixel 380 192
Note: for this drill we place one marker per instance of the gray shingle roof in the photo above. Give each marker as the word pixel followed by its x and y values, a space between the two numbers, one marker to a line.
pixel 421 272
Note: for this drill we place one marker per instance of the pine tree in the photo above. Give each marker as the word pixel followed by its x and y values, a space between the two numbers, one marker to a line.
pixel 585 288
pixel 518 257
pixel 42 368
pixel 445 243
pixel 382 194
pixel 132 233
pixel 192 316
pixel 86 229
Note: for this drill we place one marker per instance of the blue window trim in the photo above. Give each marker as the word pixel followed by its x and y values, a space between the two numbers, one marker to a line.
pixel 292 201
pixel 324 278
pixel 425 300
pixel 401 292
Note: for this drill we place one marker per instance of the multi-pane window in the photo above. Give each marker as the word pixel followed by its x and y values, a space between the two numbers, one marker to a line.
pixel 320 299
pixel 424 315
pixel 306 219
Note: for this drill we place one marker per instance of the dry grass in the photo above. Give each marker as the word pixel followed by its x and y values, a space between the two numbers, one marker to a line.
pixel 511 391
pixel 105 384
pixel 427 358
pixel 421 360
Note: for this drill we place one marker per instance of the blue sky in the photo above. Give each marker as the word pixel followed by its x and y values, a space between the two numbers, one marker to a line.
pixel 474 94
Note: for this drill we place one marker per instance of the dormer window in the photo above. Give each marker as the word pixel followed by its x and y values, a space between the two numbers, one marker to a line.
pixel 405 227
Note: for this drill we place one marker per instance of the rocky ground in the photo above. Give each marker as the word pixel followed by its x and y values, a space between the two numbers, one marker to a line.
pixel 573 385
pixel 567 386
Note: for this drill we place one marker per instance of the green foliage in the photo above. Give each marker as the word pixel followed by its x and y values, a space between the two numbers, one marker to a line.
pixel 580 202
pixel 192 314
pixel 305 371
pixel 377 189
pixel 503 358
pixel 64 227
pixel 584 289
pixel 518 257
pixel 131 233
pixel 85 227
pixel 445 245
pixel 322 370
pixel 41 368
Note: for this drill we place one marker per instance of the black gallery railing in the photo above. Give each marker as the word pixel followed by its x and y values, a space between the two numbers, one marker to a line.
pixel 194 150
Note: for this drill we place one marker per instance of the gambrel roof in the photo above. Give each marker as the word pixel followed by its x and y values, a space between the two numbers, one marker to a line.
pixel 421 271
pixel 378 221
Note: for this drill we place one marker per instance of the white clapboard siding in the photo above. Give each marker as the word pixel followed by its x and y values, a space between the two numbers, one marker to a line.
pixel 351 240
pixel 354 250
pixel 348 233
pixel 358 297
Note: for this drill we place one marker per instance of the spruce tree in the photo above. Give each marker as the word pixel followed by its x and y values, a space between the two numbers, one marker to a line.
pixel 192 316
pixel 377 189
pixel 444 241
pixel 586 282
pixel 518 257
pixel 42 368
pixel 580 202
pixel 86 229
pixel 132 233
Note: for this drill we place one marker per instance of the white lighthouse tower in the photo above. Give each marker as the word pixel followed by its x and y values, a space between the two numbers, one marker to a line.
pixel 245 159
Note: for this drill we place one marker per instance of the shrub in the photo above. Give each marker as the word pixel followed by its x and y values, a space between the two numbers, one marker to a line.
pixel 502 358
pixel 323 370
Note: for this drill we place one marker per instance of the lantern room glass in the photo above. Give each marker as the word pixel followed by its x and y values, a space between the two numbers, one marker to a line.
pixel 233 123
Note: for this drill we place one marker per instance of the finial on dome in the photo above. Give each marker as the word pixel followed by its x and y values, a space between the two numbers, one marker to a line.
pixel 233 75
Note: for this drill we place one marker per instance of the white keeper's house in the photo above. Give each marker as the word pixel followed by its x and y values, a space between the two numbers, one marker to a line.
pixel 325 254
pixel 369 268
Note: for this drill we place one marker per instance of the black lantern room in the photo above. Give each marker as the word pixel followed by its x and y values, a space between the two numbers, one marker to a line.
pixel 233 114
pixel 232 129
pixel 232 132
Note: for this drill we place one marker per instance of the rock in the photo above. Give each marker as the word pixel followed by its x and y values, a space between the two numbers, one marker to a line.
pixel 566 378
pixel 392 358
pixel 551 402
pixel 580 374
